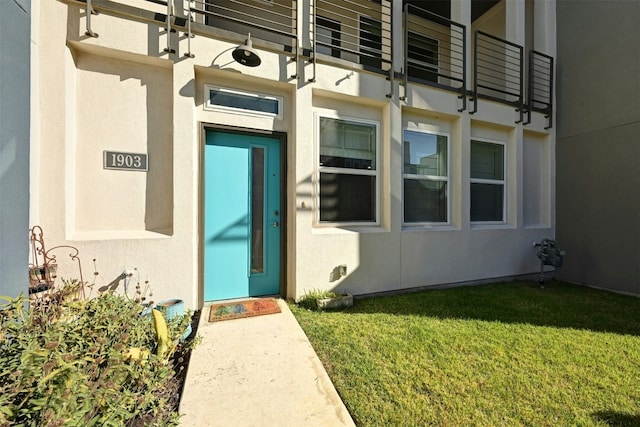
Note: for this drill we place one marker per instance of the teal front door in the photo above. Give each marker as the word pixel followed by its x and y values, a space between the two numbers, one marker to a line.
pixel 242 215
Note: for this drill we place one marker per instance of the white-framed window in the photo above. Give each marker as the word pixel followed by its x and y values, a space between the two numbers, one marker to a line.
pixel 426 177
pixel 249 103
pixel 348 170
pixel 488 184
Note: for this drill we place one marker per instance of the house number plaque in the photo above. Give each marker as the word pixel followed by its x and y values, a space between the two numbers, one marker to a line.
pixel 125 161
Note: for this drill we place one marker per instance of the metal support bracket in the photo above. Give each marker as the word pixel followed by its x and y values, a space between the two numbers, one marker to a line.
pixel 89 12
pixel 296 58
pixel 390 78
pixel 313 43
pixel 463 97
pixel 189 34
pixel 404 82
pixel 169 15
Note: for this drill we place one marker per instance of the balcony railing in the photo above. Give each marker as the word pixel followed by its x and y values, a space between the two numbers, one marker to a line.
pixel 274 21
pixel 355 31
pixel 498 72
pixel 540 90
pixel 358 34
pixel 434 51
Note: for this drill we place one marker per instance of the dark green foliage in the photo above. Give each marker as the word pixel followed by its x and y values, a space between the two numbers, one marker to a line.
pixel 63 363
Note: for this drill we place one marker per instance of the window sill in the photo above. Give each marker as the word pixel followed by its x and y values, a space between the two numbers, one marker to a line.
pixel 536 226
pixel 428 227
pixel 347 229
pixel 489 226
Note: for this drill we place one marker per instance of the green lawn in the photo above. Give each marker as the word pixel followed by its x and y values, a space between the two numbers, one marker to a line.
pixel 492 355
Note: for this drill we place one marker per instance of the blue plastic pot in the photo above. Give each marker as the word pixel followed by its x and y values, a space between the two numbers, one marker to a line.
pixel 171 308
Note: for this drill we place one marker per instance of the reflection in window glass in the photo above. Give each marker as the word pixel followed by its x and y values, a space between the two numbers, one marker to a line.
pixel 244 101
pixel 348 170
pixel 487 182
pixel 257 210
pixel 347 198
pixel 426 170
pixel 487 160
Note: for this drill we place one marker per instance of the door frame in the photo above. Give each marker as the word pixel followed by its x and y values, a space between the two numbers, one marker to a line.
pixel 282 137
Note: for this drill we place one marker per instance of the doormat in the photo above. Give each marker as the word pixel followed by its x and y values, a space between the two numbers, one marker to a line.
pixel 246 308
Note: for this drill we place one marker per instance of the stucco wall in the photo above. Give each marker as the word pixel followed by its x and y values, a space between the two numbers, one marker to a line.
pixel 537 179
pixel 598 152
pixel 122 91
pixel 15 30
pixel 115 92
pixel 598 206
pixel 139 98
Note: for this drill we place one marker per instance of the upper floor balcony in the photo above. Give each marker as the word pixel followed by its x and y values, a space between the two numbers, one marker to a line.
pixel 472 63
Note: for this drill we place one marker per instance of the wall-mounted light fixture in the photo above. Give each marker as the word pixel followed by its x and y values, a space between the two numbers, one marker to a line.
pixel 245 55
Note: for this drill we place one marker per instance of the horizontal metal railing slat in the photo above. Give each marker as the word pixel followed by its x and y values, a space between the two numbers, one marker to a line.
pixel 356 31
pixel 277 19
pixel 435 46
pixel 445 65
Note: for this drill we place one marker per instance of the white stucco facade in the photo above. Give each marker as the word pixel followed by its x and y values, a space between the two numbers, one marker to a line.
pixel 122 92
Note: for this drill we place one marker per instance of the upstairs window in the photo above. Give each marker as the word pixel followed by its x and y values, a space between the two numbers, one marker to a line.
pixel 426 177
pixel 487 182
pixel 423 57
pixel 328 37
pixel 347 162
pixel 370 42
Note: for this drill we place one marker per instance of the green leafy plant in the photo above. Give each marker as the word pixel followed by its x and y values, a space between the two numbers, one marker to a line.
pixel 310 299
pixel 69 362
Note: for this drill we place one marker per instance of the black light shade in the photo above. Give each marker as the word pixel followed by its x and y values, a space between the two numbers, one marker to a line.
pixel 245 54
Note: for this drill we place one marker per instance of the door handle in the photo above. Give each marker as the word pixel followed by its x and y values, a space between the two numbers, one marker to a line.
pixel 276 224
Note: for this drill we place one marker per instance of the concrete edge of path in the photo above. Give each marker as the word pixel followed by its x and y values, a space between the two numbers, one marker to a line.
pixel 258 371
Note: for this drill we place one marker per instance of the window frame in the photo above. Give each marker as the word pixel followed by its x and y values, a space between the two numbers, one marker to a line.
pixel 253 113
pixel 502 182
pixel 318 169
pixel 446 179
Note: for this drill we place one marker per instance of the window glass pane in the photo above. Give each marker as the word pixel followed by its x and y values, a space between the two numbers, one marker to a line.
pixel 487 160
pixel 425 154
pixel 328 36
pixel 257 210
pixel 425 200
pixel 346 144
pixel 423 57
pixel 347 198
pixel 486 202
pixel 243 102
pixel 423 49
pixel 370 37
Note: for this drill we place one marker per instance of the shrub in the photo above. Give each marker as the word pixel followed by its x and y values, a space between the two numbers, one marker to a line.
pixel 69 362
pixel 310 299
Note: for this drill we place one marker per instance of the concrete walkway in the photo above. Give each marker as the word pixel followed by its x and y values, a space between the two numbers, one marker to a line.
pixel 258 371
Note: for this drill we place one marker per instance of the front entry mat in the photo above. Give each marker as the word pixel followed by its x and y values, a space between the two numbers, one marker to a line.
pixel 245 308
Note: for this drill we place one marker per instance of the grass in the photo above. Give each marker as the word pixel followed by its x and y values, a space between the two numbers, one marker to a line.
pixel 493 355
pixel 310 299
